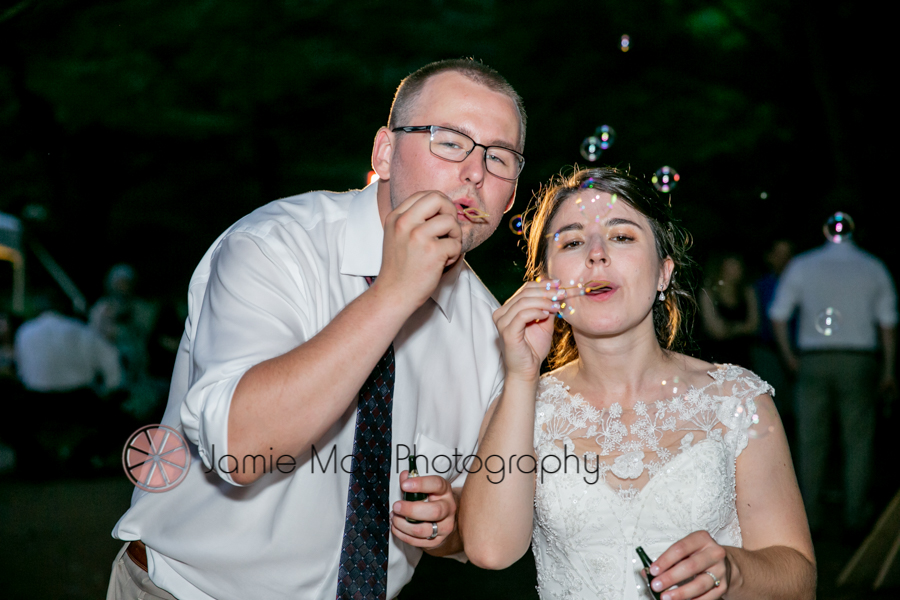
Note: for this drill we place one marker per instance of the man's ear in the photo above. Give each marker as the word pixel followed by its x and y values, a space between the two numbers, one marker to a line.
pixel 512 199
pixel 382 153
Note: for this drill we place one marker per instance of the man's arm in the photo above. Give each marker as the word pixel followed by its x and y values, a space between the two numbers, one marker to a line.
pixel 780 328
pixel 108 363
pixel 284 404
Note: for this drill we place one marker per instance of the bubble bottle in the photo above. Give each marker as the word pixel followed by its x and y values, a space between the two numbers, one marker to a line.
pixel 413 496
pixel 647 562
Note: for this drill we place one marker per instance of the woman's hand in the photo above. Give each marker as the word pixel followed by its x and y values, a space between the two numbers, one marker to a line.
pixel 697 564
pixel 525 323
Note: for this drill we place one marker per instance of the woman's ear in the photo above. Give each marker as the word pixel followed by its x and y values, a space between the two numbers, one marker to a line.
pixel 665 272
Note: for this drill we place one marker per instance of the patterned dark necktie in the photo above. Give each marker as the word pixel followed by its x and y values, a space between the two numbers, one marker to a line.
pixel 364 551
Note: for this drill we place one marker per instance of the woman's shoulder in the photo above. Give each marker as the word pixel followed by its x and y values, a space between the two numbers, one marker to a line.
pixel 740 381
pixel 702 374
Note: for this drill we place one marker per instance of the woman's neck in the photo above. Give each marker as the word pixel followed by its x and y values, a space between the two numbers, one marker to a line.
pixel 622 366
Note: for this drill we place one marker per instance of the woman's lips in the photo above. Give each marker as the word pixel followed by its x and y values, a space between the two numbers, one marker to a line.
pixel 599 290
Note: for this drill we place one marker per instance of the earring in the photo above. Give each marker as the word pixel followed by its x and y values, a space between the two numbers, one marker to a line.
pixel 661 296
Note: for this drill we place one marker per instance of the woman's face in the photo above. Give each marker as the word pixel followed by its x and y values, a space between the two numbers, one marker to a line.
pixel 732 270
pixel 611 252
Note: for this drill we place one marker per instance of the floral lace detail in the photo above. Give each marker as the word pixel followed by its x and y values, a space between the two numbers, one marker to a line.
pixel 609 480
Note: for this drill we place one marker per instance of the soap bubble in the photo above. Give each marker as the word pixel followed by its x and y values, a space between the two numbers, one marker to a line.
pixel 607 136
pixel 589 183
pixel 672 384
pixel 517 225
pixel 625 43
pixel 590 201
pixel 762 421
pixel 591 148
pixel 665 179
pixel 829 321
pixel 838 227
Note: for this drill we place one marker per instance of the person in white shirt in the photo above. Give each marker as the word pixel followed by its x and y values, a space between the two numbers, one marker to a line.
pixel 846 301
pixel 56 353
pixel 283 332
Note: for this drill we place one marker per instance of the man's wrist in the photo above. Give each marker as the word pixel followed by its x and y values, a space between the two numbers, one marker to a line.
pixel 388 305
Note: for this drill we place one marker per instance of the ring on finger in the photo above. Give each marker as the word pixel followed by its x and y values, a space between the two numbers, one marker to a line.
pixel 434 533
pixel 716 582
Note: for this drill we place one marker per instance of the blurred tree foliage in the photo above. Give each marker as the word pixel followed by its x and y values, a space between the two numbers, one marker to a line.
pixel 146 127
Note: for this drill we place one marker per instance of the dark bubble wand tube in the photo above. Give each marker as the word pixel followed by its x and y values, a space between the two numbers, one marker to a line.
pixel 413 496
pixel 647 562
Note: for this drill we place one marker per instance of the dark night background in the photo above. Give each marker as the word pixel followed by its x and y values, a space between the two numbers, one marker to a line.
pixel 144 128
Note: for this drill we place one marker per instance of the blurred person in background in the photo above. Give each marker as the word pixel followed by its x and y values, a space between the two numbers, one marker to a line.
pixel 728 310
pixel 58 354
pixel 766 359
pixel 127 321
pixel 70 374
pixel 847 307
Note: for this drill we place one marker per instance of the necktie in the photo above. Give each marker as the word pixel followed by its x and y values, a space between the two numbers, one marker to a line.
pixel 364 551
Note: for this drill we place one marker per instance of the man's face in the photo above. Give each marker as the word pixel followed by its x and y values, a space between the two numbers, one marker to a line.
pixel 490 118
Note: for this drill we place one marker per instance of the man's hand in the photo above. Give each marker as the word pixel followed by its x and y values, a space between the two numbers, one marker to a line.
pixel 792 363
pixel 439 511
pixel 422 237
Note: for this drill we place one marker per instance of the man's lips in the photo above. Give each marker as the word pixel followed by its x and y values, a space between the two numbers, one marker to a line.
pixel 466 209
pixel 475 213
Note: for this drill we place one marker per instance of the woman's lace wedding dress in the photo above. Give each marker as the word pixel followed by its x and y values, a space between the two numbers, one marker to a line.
pixel 647 477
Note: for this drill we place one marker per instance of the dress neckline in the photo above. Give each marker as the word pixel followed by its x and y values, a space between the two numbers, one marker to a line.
pixel 720 368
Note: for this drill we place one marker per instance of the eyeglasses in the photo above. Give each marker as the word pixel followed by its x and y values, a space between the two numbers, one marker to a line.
pixel 454 146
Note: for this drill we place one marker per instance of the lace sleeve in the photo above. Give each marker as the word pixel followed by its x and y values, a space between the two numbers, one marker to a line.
pixel 738 390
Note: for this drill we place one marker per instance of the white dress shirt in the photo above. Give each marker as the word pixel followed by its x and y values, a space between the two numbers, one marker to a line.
pixel 269 283
pixel 844 278
pixel 55 353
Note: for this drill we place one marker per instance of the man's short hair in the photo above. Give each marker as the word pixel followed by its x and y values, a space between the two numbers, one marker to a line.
pixel 411 88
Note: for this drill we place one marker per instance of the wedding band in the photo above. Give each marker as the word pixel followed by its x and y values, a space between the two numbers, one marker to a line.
pixel 716 582
pixel 434 535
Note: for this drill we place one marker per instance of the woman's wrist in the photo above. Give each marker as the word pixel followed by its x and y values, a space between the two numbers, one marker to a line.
pixel 521 381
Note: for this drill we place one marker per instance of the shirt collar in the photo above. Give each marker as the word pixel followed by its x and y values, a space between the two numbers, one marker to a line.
pixel 363 240
pixel 364 235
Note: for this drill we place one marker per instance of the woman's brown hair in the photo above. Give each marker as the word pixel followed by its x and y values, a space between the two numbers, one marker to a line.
pixel 671 317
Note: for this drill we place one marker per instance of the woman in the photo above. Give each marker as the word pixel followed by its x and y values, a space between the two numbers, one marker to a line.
pixel 627 443
pixel 729 310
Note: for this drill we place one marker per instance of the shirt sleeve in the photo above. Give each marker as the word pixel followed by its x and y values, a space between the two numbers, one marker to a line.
pixel 886 300
pixel 254 308
pixel 787 294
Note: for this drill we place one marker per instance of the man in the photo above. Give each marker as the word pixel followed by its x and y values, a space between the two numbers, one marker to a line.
pixel 57 354
pixel 846 301
pixel 283 334
pixel 71 373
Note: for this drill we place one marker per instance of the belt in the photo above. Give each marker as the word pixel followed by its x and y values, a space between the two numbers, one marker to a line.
pixel 137 552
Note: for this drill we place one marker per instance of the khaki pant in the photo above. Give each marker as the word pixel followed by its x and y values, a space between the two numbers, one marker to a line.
pixel 129 582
